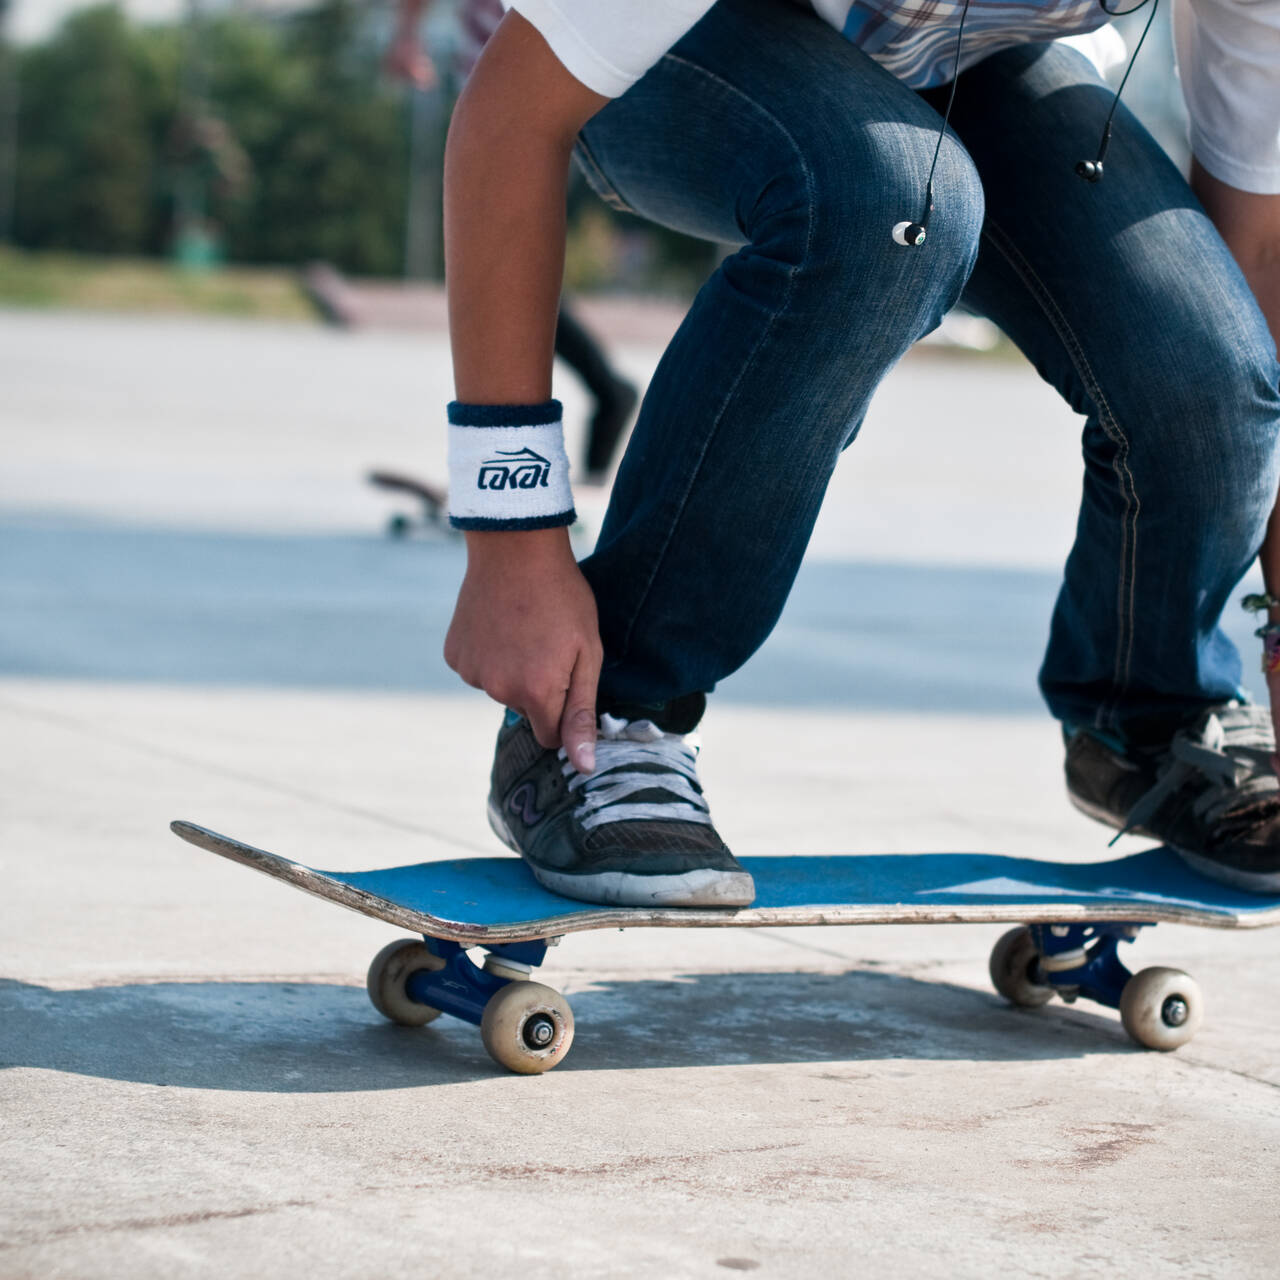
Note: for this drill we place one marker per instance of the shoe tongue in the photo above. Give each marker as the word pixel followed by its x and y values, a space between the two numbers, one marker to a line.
pixel 614 728
pixel 679 716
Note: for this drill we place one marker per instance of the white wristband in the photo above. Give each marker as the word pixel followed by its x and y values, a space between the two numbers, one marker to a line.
pixel 507 467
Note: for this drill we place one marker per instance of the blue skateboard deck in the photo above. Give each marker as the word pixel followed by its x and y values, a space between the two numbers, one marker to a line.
pixel 497 900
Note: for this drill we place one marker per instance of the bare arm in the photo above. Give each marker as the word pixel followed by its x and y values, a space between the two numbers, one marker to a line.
pixel 524 628
pixel 1250 224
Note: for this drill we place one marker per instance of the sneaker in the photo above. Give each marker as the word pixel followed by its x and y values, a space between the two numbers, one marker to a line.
pixel 634 833
pixel 1211 794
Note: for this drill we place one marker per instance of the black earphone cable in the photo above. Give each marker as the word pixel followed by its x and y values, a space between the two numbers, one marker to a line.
pixel 913 234
pixel 1091 170
pixel 946 118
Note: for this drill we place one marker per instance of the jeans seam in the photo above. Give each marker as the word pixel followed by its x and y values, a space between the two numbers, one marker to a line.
pixel 1126 595
pixel 773 318
pixel 596 178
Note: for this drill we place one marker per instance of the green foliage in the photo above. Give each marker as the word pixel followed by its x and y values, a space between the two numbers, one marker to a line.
pixel 118 283
pixel 280 137
pixel 268 140
pixel 86 157
pixel 327 141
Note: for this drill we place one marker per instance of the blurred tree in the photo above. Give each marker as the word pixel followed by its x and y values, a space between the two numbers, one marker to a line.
pixel 299 145
pixel 277 138
pixel 86 161
pixel 328 153
pixel 8 124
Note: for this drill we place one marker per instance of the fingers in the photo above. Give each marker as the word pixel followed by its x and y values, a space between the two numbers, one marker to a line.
pixel 578 723
pixel 543 716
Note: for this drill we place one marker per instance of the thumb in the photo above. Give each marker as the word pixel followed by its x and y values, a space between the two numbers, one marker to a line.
pixel 578 723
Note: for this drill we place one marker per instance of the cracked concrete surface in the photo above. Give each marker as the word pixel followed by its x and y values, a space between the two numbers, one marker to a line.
pixel 197 619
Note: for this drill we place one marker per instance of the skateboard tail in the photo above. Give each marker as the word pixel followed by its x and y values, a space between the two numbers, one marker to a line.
pixel 320 885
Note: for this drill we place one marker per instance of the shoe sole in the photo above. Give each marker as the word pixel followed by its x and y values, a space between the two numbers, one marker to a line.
pixel 700 888
pixel 1263 882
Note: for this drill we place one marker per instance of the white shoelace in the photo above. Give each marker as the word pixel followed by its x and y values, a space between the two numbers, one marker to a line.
pixel 626 753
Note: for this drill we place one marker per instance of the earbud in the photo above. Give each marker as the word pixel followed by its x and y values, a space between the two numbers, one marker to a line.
pixel 1091 170
pixel 909 233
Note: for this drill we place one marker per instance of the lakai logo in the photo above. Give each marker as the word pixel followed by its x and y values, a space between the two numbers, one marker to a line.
pixel 514 469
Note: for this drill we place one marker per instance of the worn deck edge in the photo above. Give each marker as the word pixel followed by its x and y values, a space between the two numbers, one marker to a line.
pixel 322 886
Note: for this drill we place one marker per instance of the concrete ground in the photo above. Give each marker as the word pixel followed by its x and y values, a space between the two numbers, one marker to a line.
pixel 200 619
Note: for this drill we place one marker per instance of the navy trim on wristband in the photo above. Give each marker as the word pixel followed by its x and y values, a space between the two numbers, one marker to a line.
pixel 490 525
pixel 504 415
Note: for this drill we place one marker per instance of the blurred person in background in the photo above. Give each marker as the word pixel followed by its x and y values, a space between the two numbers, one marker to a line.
pixel 615 396
pixel 815 138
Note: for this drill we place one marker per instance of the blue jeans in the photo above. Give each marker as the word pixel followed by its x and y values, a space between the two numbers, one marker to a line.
pixel 765 129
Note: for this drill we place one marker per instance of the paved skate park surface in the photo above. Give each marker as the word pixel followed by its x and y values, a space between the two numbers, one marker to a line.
pixel 200 618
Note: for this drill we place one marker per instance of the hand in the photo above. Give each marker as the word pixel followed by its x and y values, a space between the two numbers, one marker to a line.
pixel 524 630
pixel 406 61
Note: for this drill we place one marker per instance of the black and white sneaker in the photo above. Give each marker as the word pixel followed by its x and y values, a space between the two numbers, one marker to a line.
pixel 634 833
pixel 1211 793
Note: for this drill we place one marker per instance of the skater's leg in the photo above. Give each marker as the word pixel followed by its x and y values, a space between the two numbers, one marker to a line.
pixel 615 395
pixel 582 352
pixel 763 127
pixel 1125 298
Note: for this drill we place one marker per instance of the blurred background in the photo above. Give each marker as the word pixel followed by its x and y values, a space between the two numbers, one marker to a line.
pixel 253 133
pixel 268 134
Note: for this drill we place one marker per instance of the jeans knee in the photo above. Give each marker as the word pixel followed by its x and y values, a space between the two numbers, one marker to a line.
pixel 1219 429
pixel 834 213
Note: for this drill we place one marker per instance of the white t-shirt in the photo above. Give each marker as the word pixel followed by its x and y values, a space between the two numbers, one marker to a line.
pixel 1228 54
pixel 1229 60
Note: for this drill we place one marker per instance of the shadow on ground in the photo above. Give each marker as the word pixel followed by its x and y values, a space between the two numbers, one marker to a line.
pixel 321 1037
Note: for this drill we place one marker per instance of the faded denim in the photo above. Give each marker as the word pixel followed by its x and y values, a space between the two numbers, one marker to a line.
pixel 765 129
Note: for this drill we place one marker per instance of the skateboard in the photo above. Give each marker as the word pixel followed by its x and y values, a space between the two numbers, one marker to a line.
pixel 1071 919
pixel 434 502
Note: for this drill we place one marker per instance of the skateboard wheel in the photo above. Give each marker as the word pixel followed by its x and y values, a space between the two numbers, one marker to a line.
pixel 399 526
pixel 388 973
pixel 1161 1008
pixel 1013 963
pixel 527 1027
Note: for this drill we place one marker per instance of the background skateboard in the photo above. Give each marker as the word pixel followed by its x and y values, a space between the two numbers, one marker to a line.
pixel 433 503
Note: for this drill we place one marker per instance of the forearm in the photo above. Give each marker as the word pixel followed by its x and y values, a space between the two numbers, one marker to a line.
pixel 506 170
pixel 1250 224
pixel 504 259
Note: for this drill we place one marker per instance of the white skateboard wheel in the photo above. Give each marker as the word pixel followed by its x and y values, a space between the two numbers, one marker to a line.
pixel 1161 1008
pixel 388 974
pixel 1013 959
pixel 527 1027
